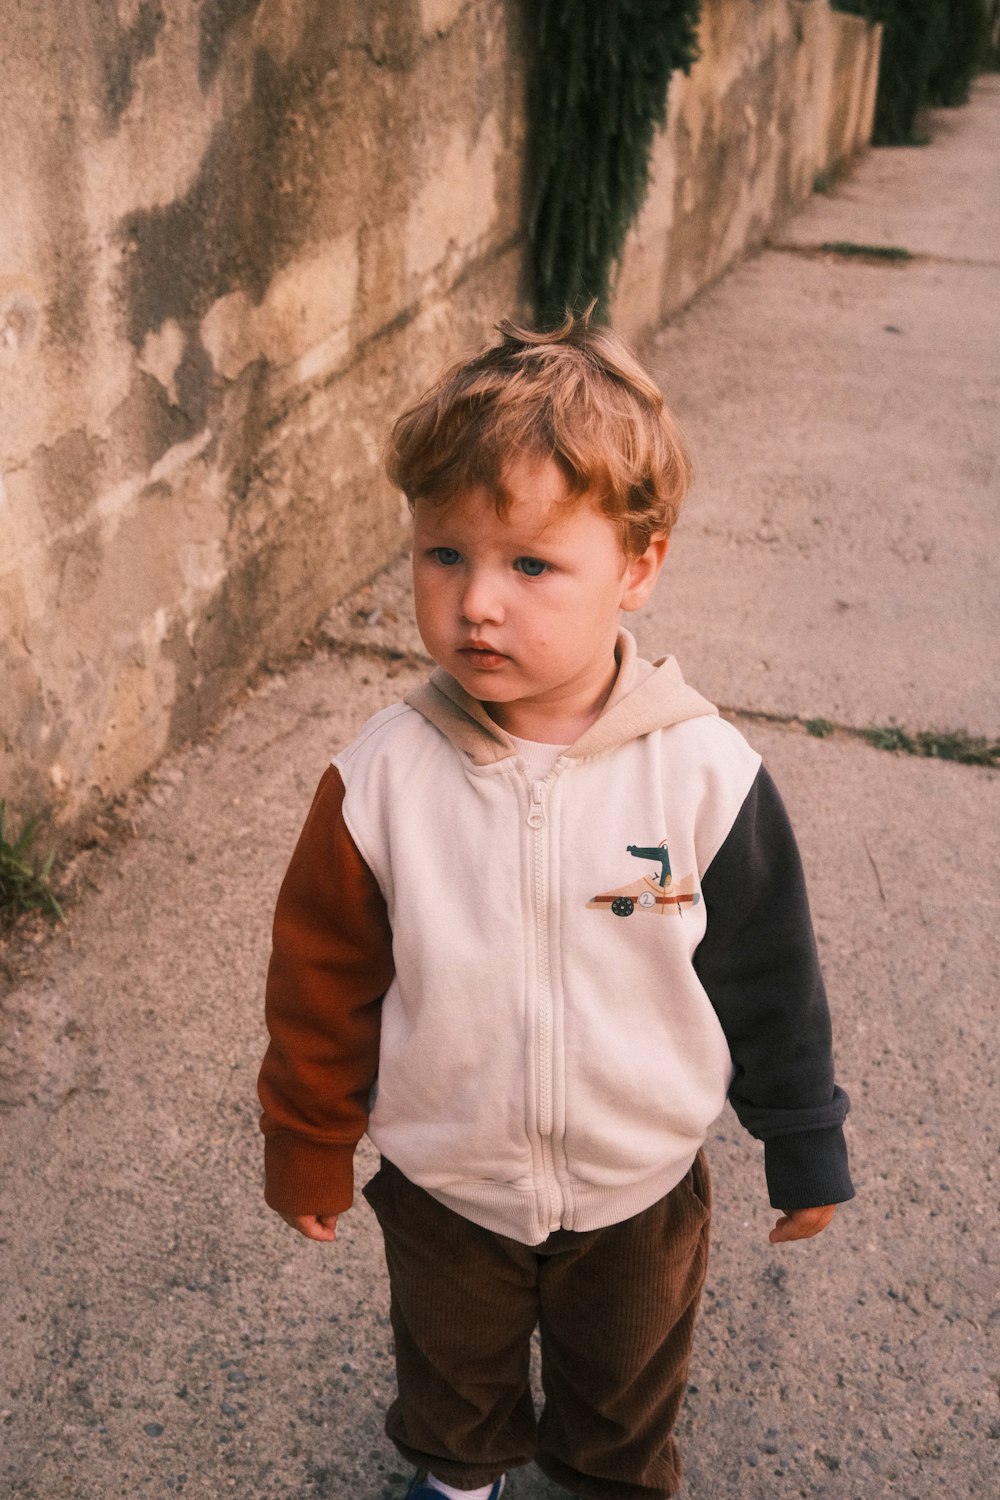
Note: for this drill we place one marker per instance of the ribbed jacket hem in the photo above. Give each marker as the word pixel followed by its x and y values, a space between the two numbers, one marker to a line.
pixel 514 1211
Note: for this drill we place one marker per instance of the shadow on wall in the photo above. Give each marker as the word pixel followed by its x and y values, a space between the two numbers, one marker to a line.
pixel 245 234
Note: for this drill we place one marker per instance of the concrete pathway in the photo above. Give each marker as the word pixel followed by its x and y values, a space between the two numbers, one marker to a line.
pixel 162 1333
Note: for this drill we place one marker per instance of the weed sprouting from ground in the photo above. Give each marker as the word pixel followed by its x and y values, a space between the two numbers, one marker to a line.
pixel 848 249
pixel 24 885
pixel 946 744
pixel 819 728
pixel 967 749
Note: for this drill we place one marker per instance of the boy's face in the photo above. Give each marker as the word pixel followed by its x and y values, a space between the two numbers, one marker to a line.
pixel 523 610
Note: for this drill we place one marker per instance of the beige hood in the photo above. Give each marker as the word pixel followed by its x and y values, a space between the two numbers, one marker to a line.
pixel 646 696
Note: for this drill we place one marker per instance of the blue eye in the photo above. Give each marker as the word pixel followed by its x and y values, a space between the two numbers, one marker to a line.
pixel 446 556
pixel 531 567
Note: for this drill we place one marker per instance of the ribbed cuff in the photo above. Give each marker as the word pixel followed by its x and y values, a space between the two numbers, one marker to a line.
pixel 307 1177
pixel 808 1170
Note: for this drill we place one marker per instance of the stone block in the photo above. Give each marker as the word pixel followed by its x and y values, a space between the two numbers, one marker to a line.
pixel 307 306
pixel 455 206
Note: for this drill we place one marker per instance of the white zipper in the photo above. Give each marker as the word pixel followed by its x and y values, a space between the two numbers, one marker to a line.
pixel 537 821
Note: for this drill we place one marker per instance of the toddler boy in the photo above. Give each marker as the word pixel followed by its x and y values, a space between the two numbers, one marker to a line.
pixel 543 917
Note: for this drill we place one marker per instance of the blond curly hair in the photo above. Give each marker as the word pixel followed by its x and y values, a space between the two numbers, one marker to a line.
pixel 578 396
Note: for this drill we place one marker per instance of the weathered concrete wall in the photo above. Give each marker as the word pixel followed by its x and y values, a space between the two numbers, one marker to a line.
pixel 236 237
pixel 784 92
pixel 231 236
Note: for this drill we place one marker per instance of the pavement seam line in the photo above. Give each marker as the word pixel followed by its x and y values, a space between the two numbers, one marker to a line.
pixel 374 651
pixel 982 749
pixel 877 255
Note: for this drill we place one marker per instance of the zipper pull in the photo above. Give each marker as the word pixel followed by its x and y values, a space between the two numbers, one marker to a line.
pixel 536 813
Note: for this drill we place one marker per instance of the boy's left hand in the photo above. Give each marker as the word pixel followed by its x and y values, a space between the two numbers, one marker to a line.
pixel 801 1223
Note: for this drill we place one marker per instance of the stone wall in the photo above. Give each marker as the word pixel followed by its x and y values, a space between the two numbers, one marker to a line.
pixel 782 95
pixel 236 236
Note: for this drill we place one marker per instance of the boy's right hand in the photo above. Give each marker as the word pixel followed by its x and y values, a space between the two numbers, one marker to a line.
pixel 313 1226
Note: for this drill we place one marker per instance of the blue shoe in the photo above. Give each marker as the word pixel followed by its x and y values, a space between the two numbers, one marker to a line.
pixel 420 1491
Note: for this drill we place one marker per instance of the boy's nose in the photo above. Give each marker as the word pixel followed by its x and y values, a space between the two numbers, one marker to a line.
pixel 481 601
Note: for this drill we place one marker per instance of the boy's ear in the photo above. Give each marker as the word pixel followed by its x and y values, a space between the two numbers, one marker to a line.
pixel 642 572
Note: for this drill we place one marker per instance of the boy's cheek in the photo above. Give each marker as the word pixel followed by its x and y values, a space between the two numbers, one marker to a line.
pixel 424 595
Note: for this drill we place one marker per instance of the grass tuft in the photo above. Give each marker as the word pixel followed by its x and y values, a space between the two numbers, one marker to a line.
pixel 867 252
pixel 819 728
pixel 24 885
pixel 967 749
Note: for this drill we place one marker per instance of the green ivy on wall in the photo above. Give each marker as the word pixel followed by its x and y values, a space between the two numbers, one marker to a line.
pixel 931 51
pixel 597 91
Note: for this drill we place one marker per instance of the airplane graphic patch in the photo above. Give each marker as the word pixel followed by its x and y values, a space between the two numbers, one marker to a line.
pixel 656 894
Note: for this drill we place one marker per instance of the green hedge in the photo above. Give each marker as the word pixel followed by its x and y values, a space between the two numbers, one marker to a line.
pixel 965 52
pixel 597 90
pixel 931 51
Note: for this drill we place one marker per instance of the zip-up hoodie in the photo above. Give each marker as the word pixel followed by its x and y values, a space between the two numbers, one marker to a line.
pixel 536 995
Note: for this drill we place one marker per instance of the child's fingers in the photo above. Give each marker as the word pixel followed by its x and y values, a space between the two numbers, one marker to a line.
pixel 801 1224
pixel 321 1227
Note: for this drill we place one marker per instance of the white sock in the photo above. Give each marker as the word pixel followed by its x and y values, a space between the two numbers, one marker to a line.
pixel 453 1494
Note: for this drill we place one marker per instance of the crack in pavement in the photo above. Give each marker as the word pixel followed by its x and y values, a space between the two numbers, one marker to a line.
pixel 871 255
pixel 954 745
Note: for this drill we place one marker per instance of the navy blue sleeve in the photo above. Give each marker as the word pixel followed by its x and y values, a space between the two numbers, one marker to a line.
pixel 759 966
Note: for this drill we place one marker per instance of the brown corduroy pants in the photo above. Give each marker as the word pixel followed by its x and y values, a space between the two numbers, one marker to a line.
pixel 615 1308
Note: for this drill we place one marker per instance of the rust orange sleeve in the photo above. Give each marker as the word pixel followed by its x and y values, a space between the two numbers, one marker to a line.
pixel 331 963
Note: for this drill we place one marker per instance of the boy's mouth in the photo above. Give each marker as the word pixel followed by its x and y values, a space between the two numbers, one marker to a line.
pixel 482 654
